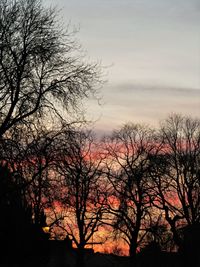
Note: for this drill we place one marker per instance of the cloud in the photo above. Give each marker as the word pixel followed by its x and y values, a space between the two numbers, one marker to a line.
pixel 130 87
pixel 144 104
pixel 137 95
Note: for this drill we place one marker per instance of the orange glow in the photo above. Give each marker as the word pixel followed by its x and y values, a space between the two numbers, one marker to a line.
pixel 46 229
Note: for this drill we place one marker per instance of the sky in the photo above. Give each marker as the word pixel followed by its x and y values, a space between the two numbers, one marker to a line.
pixel 150 53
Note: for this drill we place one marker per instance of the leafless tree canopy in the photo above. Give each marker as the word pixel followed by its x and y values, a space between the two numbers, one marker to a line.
pixel 177 176
pixel 80 167
pixel 128 153
pixel 39 68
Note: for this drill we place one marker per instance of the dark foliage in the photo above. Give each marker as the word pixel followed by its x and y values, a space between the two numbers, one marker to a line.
pixel 18 234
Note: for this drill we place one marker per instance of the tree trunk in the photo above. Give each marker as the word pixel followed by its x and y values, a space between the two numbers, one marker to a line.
pixel 132 252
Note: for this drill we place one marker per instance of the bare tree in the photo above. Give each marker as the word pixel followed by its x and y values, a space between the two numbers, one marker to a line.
pixel 128 152
pixel 39 67
pixel 30 154
pixel 37 168
pixel 19 214
pixel 177 174
pixel 80 168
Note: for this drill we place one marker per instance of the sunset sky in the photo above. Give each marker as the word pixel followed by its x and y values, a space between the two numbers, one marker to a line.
pixel 151 53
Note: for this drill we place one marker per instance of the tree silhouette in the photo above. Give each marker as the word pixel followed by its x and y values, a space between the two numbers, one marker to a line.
pixel 38 67
pixel 41 73
pixel 80 193
pixel 177 175
pixel 128 153
pixel 30 152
